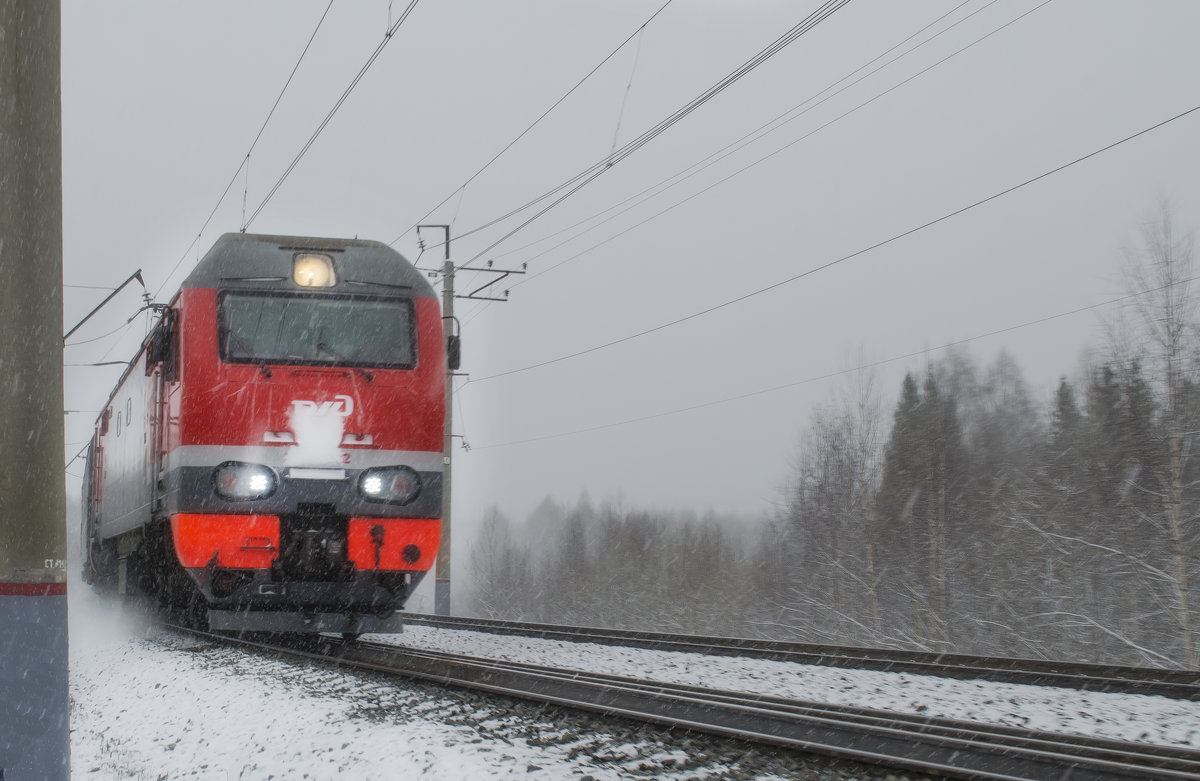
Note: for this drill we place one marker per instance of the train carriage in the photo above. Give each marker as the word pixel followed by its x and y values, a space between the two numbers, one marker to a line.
pixel 271 460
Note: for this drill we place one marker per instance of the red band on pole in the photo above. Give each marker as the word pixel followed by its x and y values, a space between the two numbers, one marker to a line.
pixel 33 589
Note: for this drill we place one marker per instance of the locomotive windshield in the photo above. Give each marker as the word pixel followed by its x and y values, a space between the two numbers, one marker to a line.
pixel 319 330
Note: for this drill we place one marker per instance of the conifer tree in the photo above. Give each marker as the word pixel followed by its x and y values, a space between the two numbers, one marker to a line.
pixel 903 507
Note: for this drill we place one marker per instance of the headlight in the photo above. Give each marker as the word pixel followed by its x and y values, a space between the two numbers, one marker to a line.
pixel 391 484
pixel 312 269
pixel 235 480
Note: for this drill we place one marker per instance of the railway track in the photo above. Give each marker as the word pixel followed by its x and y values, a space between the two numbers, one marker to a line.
pixel 1178 684
pixel 940 747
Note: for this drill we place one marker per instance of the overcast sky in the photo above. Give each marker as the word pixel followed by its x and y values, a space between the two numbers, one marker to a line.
pixel 161 102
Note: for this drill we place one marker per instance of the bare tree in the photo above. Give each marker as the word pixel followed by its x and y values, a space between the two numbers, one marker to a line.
pixel 830 514
pixel 500 570
pixel 862 401
pixel 1159 275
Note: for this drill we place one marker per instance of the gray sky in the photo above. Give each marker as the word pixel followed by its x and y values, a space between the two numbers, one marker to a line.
pixel 161 102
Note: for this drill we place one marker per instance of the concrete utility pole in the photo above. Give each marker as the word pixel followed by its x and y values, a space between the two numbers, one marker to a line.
pixel 441 592
pixel 441 588
pixel 34 715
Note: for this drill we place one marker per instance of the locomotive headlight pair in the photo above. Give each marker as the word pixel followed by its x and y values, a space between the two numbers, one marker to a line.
pixel 390 484
pixel 236 480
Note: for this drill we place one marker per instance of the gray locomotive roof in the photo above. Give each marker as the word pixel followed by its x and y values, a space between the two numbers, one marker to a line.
pixel 254 261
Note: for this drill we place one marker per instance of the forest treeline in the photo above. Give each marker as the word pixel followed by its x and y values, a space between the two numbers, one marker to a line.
pixel 974 518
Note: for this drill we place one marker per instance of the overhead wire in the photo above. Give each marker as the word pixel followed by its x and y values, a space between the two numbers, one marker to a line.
pixel 132 322
pixel 77 455
pixel 89 287
pixel 841 372
pixel 844 258
pixel 533 124
pixel 777 123
pixel 246 159
pixel 637 56
pixel 124 327
pixel 333 111
pixel 755 135
pixel 462 418
pixel 606 162
pixel 597 169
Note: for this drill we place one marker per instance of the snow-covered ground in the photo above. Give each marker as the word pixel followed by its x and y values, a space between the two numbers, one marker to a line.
pixel 1118 716
pixel 145 705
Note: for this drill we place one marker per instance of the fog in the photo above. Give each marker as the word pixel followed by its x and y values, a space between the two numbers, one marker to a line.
pixel 162 102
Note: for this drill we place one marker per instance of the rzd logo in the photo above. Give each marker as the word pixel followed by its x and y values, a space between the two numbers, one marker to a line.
pixel 342 406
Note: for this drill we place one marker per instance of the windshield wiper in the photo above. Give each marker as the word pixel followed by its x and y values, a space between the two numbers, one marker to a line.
pixel 238 343
pixel 366 375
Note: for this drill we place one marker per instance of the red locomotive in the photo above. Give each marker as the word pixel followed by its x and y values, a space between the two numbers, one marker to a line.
pixel 271 460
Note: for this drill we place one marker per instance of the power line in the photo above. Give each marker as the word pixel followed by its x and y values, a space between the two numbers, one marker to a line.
pixel 761 132
pixel 590 174
pixel 831 375
pixel 845 258
pixel 535 122
pixel 328 117
pixel 77 455
pixel 124 327
pixel 246 159
pixel 586 177
pixel 756 135
pixel 637 56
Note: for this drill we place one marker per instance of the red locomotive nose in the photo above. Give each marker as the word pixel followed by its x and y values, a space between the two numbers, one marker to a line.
pixel 274 453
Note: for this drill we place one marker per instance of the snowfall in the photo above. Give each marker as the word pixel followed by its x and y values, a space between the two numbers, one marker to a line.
pixel 150 705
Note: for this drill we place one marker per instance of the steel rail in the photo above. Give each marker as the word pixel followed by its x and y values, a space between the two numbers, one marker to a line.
pixel 1176 684
pixel 1003 736
pixel 948 748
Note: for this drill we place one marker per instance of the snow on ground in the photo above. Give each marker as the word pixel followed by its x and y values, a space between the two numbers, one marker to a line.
pixel 148 710
pixel 147 705
pixel 1127 717
pixel 150 706
pixel 176 715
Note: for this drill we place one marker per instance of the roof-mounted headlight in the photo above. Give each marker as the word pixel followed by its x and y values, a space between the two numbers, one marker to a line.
pixel 312 269
pixel 390 484
pixel 235 480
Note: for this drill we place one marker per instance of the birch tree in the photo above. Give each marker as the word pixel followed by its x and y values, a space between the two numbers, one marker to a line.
pixel 1159 276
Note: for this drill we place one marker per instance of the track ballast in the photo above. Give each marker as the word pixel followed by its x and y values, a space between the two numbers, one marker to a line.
pixel 936 746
